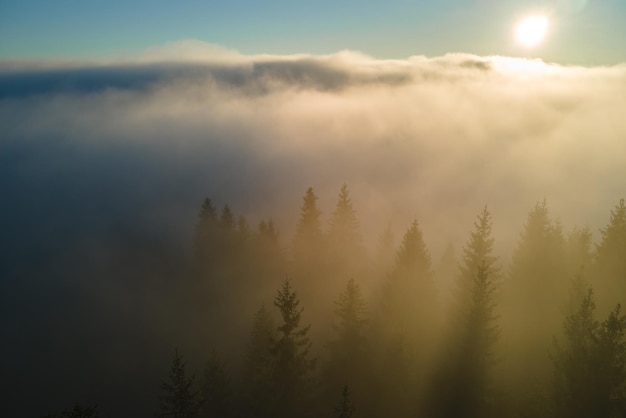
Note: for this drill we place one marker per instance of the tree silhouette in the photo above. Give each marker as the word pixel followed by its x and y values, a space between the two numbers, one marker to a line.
pixel 345 409
pixel 590 368
pixel 344 235
pixel 258 366
pixel 347 362
pixel 405 325
pixel 78 411
pixel 308 238
pixel 216 397
pixel 205 239
pixel 178 398
pixel 610 257
pixel 534 295
pixel 292 362
pixel 478 252
pixel 462 386
pixel 409 292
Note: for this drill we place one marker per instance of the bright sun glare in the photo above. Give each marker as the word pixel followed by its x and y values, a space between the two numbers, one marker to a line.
pixel 531 31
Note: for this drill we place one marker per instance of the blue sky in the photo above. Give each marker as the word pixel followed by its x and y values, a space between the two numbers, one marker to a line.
pixel 583 32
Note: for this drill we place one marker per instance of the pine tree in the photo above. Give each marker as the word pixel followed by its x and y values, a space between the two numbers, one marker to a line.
pixel 610 258
pixel 78 411
pixel 463 385
pixel 590 368
pixel 292 362
pixel 227 219
pixel 216 397
pixel 258 367
pixel 347 362
pixel 243 234
pixel 308 238
pixel 269 256
pixel 409 292
pixel 178 398
pixel 345 409
pixel 478 252
pixel 611 366
pixel 534 296
pixel 344 234
pixel 351 319
pixel 205 239
pixel 405 326
pixel 479 336
pixel 412 259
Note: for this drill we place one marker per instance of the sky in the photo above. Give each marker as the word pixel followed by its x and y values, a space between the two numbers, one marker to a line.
pixel 582 32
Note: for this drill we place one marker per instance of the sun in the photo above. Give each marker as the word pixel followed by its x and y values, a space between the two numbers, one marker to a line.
pixel 532 30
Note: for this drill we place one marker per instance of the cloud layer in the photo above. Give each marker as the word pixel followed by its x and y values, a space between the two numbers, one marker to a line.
pixel 434 138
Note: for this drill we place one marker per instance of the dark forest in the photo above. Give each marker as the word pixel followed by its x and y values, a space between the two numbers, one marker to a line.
pixel 320 325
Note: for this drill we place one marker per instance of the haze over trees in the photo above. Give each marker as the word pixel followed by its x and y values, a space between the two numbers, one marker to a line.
pixel 477 337
pixel 321 325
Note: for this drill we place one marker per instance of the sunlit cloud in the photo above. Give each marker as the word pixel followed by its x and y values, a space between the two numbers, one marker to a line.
pixel 426 137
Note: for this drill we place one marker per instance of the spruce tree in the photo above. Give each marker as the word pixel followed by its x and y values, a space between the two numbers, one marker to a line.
pixel 590 366
pixel 462 385
pixel 345 409
pixel 216 397
pixel 534 295
pixel 347 362
pixel 268 257
pixel 409 292
pixel 478 252
pixel 78 411
pixel 292 362
pixel 344 234
pixel 227 218
pixel 178 398
pixel 307 241
pixel 610 258
pixel 351 314
pixel 405 326
pixel 258 367
pixel 205 240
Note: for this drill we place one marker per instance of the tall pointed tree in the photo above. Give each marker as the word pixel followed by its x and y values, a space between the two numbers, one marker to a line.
pixel 216 396
pixel 308 238
pixel 227 218
pixel 347 362
pixel 259 396
pixel 534 294
pixel 409 291
pixel 462 385
pixel 344 235
pixel 291 354
pixel 178 397
pixel 309 262
pixel 205 239
pixel 590 367
pixel 345 409
pixel 405 325
pixel 269 258
pixel 610 258
pixel 478 252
